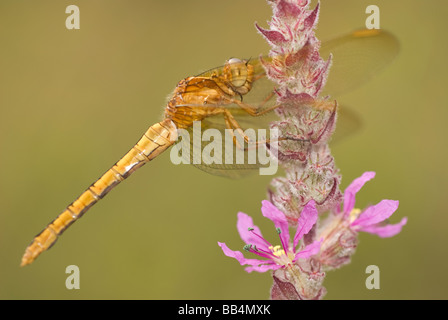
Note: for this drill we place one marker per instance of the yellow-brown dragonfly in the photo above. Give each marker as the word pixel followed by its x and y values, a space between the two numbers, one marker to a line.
pixel 218 93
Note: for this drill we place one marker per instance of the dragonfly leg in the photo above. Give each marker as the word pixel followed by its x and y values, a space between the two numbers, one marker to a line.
pixel 258 77
pixel 256 111
pixel 232 124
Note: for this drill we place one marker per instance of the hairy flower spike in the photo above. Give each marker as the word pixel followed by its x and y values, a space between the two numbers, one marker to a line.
pixel 306 121
pixel 311 182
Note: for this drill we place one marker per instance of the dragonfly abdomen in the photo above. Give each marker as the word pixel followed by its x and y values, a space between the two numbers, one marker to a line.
pixel 155 140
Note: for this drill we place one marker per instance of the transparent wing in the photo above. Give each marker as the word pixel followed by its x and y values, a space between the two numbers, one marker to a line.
pixel 349 122
pixel 357 57
pixel 260 97
pixel 211 72
pixel 212 147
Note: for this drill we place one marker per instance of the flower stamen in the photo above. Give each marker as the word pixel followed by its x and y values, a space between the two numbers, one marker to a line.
pixel 353 215
pixel 259 236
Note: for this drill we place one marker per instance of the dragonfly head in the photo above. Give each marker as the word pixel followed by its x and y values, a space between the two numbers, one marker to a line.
pixel 238 74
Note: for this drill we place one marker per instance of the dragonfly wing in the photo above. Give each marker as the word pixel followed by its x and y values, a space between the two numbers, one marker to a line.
pixel 357 57
pixel 349 122
pixel 211 148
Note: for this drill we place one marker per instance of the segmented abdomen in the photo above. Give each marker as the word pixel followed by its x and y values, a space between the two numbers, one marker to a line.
pixel 156 140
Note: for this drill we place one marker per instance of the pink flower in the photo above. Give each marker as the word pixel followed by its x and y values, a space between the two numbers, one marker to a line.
pixel 275 257
pixel 372 219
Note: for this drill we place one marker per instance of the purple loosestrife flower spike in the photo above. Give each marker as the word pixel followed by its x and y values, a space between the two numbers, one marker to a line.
pixel 311 182
pixel 306 121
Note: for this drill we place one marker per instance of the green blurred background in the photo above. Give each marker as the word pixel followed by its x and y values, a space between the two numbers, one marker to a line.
pixel 73 101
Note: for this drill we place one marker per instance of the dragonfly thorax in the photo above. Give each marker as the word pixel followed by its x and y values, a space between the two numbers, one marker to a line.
pixel 196 98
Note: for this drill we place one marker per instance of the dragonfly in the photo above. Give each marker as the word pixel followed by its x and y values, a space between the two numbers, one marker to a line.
pixel 219 94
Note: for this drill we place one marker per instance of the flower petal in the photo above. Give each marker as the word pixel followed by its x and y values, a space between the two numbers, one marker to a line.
pixel 375 214
pixel 386 231
pixel 243 224
pixel 309 250
pixel 307 219
pixel 239 256
pixel 271 212
pixel 353 188
pixel 263 267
